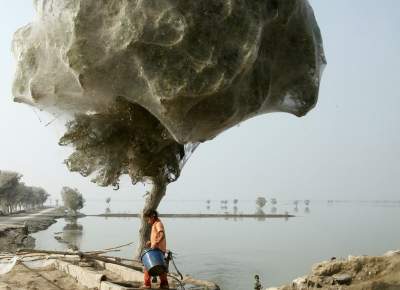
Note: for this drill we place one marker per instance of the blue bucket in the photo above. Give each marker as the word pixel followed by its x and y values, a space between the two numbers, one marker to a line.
pixel 154 262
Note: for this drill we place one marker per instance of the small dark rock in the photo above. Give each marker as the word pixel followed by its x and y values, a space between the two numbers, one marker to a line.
pixel 342 279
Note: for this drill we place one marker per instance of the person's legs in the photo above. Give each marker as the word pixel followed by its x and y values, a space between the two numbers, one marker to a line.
pixel 146 278
pixel 163 281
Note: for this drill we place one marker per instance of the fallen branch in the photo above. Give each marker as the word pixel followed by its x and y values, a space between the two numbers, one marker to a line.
pixel 82 255
pixel 117 247
pixel 113 249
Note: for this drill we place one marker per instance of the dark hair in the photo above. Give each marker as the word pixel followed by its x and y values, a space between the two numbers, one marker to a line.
pixel 151 213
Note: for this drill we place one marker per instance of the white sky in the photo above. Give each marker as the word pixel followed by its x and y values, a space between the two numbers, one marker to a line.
pixel 346 148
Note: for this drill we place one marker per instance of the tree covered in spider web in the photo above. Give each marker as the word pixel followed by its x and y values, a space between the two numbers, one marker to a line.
pixel 124 139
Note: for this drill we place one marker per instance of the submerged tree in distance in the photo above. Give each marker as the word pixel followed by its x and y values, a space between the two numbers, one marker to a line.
pixel 72 199
pixel 296 204
pixel 260 202
pixel 108 210
pixel 208 202
pixel 235 208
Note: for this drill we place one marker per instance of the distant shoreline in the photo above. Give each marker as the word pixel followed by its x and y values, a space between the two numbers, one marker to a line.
pixel 189 215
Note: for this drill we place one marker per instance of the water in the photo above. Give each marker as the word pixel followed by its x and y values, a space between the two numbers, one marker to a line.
pixel 230 251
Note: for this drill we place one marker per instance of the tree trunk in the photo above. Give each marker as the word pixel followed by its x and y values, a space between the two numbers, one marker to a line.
pixel 152 201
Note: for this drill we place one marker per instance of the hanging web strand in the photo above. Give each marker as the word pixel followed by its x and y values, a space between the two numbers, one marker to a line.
pixel 189 150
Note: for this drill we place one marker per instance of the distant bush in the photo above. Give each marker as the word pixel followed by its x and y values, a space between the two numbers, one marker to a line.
pixel 72 199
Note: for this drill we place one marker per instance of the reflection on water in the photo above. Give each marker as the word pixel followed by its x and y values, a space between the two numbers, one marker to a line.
pixel 231 251
pixel 71 234
pixel 235 210
pixel 261 214
pixel 225 271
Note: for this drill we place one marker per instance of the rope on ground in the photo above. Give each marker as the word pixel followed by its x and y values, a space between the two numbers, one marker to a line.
pixel 179 281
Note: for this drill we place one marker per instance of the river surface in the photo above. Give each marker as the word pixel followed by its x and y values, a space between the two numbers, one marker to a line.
pixel 231 251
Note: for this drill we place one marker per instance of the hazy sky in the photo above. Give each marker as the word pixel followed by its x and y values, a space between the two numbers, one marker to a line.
pixel 348 147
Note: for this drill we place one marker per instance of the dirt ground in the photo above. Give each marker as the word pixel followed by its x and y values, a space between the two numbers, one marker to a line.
pixel 21 278
pixel 353 273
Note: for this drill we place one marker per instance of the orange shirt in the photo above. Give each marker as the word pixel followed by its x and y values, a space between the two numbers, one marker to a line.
pixel 157 236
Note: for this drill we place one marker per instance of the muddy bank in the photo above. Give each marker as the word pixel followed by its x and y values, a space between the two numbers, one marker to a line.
pixel 15 230
pixel 355 273
pixel 13 237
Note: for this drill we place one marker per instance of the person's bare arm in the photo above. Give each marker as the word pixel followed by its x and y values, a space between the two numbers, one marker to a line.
pixel 159 237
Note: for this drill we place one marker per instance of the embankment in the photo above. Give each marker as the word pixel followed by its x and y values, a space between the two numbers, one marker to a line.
pixel 355 273
pixel 15 230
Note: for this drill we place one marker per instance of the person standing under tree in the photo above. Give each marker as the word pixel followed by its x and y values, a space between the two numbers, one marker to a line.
pixel 157 241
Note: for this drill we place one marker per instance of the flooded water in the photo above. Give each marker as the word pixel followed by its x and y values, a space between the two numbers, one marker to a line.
pixel 231 251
